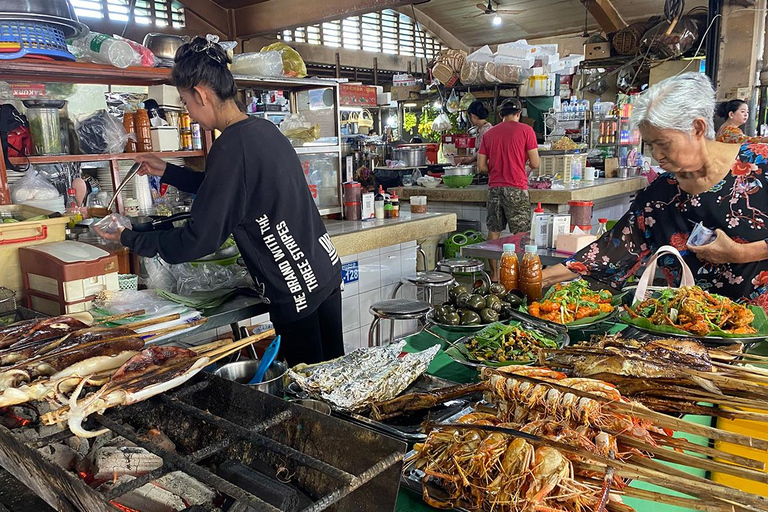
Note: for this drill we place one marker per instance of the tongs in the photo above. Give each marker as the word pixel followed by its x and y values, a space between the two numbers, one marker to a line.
pixel 131 173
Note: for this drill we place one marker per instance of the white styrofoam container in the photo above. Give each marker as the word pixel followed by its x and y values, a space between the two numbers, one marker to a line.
pixel 546 49
pixel 556 67
pixel 548 59
pixel 164 138
pixel 516 49
pixel 165 95
pixel 522 62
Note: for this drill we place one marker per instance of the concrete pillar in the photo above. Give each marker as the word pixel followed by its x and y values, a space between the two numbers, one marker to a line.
pixel 741 50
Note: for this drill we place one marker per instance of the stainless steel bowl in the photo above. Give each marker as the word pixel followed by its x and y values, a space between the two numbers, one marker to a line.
pixel 243 371
pixel 459 170
pixel 56 12
pixel 164 46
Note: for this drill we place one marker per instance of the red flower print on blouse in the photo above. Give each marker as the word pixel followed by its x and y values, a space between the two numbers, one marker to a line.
pixel 740 168
pixel 577 266
pixel 759 149
pixel 641 222
pixel 679 241
pixel 761 278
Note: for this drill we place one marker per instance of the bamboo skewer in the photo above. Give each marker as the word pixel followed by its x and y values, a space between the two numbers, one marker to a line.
pixel 122 316
pixel 684 444
pixel 167 330
pixel 152 321
pixel 640 411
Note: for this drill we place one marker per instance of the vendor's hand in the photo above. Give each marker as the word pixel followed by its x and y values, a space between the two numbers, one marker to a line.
pixel 150 164
pixel 115 237
pixel 722 250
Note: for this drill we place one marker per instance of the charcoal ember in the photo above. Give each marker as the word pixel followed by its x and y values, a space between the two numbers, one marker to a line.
pixel 110 462
pixel 191 490
pixel 61 454
pixel 148 497
pixel 158 438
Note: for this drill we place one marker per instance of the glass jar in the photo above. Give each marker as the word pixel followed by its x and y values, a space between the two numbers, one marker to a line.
pixel 45 129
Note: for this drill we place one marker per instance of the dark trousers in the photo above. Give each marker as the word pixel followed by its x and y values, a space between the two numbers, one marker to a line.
pixel 315 338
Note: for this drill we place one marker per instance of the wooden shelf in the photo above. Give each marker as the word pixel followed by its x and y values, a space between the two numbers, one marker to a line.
pixel 34 70
pixel 56 159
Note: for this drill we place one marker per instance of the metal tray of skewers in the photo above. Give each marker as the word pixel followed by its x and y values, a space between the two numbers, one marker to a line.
pixel 408 427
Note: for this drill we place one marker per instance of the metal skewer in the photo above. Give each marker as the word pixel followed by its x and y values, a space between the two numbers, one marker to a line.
pixel 131 173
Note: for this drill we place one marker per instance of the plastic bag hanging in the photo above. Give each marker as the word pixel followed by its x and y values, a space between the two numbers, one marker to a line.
pixel 452 105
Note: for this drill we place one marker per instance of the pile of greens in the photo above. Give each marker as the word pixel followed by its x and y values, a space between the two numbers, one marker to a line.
pixel 501 345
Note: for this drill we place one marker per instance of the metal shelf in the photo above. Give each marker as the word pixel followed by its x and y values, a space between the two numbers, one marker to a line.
pixel 330 210
pixel 309 150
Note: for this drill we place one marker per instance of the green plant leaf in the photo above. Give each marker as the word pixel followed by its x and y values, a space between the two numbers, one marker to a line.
pixel 760 323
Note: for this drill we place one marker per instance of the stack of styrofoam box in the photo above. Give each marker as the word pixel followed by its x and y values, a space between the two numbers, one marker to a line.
pixel 518 53
pixel 571 64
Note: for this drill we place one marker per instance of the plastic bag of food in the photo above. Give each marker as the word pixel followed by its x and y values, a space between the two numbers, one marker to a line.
pixel 259 64
pixel 684 36
pixel 148 59
pixel 453 102
pixel 466 101
pixel 112 223
pixel 100 133
pixel 293 64
pixel 441 123
pixel 32 187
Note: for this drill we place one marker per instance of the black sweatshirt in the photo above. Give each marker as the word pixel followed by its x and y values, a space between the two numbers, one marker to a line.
pixel 253 188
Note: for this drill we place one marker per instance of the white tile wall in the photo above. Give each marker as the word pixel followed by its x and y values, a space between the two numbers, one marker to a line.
pixel 370 273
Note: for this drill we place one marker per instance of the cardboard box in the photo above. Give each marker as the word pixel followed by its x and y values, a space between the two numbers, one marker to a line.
pixel 165 95
pixel 570 243
pixel 404 93
pixel 597 51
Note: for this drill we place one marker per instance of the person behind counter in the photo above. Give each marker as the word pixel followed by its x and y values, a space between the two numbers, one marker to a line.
pixel 503 153
pixel 724 186
pixel 254 188
pixel 736 113
pixel 478 116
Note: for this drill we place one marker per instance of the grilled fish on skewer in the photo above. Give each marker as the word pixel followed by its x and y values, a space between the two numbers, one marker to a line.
pixel 39 330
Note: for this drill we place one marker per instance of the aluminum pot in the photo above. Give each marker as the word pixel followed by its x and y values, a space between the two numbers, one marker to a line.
pixel 58 12
pixel 243 371
pixel 412 155
pixel 460 170
pixel 164 46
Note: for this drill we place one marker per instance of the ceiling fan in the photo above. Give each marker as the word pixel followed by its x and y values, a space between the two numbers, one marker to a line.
pixel 490 9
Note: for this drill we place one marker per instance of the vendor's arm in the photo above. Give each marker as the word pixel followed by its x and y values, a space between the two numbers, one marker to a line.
pixel 532 148
pixel 556 274
pixel 725 250
pixel 482 164
pixel 618 254
pixel 218 208
pixel 183 178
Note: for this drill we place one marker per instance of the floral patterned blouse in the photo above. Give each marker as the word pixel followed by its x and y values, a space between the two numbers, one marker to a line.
pixel 663 214
pixel 733 135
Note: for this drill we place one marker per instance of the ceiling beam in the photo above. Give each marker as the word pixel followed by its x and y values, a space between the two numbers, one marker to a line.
pixel 443 35
pixel 272 16
pixel 211 14
pixel 605 14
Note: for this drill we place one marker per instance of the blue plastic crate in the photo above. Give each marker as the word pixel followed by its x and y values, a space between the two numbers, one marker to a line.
pixel 35 38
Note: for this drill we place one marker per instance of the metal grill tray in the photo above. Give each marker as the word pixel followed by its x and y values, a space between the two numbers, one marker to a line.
pixel 408 427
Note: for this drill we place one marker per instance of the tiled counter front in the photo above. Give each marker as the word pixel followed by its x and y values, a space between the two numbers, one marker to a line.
pixel 379 271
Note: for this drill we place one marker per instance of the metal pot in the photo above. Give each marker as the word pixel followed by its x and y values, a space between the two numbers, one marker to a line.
pixel 411 155
pixel 459 170
pixel 164 46
pixel 243 371
pixel 622 172
pixel 57 12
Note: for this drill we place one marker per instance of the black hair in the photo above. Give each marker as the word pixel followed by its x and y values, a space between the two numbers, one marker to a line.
pixel 510 107
pixel 726 107
pixel 477 107
pixel 202 62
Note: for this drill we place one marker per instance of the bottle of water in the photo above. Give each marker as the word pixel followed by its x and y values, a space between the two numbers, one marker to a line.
pixel 596 108
pixel 105 49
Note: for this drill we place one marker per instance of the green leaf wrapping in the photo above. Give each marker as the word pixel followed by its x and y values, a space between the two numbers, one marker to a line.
pixel 760 323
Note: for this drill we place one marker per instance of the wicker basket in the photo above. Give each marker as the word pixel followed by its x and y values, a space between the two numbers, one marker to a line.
pixel 128 281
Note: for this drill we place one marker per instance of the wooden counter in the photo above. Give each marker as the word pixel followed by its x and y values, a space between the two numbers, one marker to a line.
pixel 353 237
pixel 585 191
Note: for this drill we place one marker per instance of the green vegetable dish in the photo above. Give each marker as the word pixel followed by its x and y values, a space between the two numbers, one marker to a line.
pixel 502 345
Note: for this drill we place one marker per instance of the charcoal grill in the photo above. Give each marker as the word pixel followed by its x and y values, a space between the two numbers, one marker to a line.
pixel 339 466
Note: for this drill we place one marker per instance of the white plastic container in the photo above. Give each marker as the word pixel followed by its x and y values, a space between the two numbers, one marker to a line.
pixel 164 138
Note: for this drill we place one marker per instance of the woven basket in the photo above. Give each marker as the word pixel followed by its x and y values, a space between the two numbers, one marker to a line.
pixel 128 281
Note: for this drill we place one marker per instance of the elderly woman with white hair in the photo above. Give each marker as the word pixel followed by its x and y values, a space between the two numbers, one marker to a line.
pixel 723 186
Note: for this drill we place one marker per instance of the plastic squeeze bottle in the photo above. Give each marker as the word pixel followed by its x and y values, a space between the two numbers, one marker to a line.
pixel 378 204
pixel 532 232
pixel 530 274
pixel 508 273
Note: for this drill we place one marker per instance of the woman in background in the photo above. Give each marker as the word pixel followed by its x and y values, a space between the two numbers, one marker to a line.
pixel 478 116
pixel 736 113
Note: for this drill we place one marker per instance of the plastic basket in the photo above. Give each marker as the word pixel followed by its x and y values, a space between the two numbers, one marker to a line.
pixel 35 38
pixel 128 281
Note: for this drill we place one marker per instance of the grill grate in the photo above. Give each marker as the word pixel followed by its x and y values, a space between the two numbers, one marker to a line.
pixel 338 483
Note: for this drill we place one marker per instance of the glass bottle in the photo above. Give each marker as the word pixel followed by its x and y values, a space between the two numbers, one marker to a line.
pixel 603 228
pixel 508 273
pixel 143 133
pixel 530 274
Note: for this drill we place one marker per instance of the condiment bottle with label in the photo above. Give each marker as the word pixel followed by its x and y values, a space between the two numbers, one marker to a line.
pixel 395 206
pixel 603 228
pixel 530 274
pixel 129 123
pixel 143 133
pixel 508 273
pixel 536 211
pixel 378 204
pixel 73 209
pixel 387 207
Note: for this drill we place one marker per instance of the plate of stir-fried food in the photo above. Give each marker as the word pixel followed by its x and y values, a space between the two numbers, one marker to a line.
pixel 574 304
pixel 503 345
pixel 692 311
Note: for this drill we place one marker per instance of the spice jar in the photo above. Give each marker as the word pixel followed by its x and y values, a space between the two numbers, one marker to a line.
pixel 352 192
pixel 418 204
pixel 581 214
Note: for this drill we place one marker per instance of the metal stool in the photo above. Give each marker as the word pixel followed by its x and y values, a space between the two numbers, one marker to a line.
pixel 470 266
pixel 426 281
pixel 392 310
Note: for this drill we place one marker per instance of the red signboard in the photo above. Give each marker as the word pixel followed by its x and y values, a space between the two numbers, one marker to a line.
pixel 357 95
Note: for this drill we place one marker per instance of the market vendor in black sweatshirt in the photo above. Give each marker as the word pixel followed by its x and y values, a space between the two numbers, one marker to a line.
pixel 254 188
